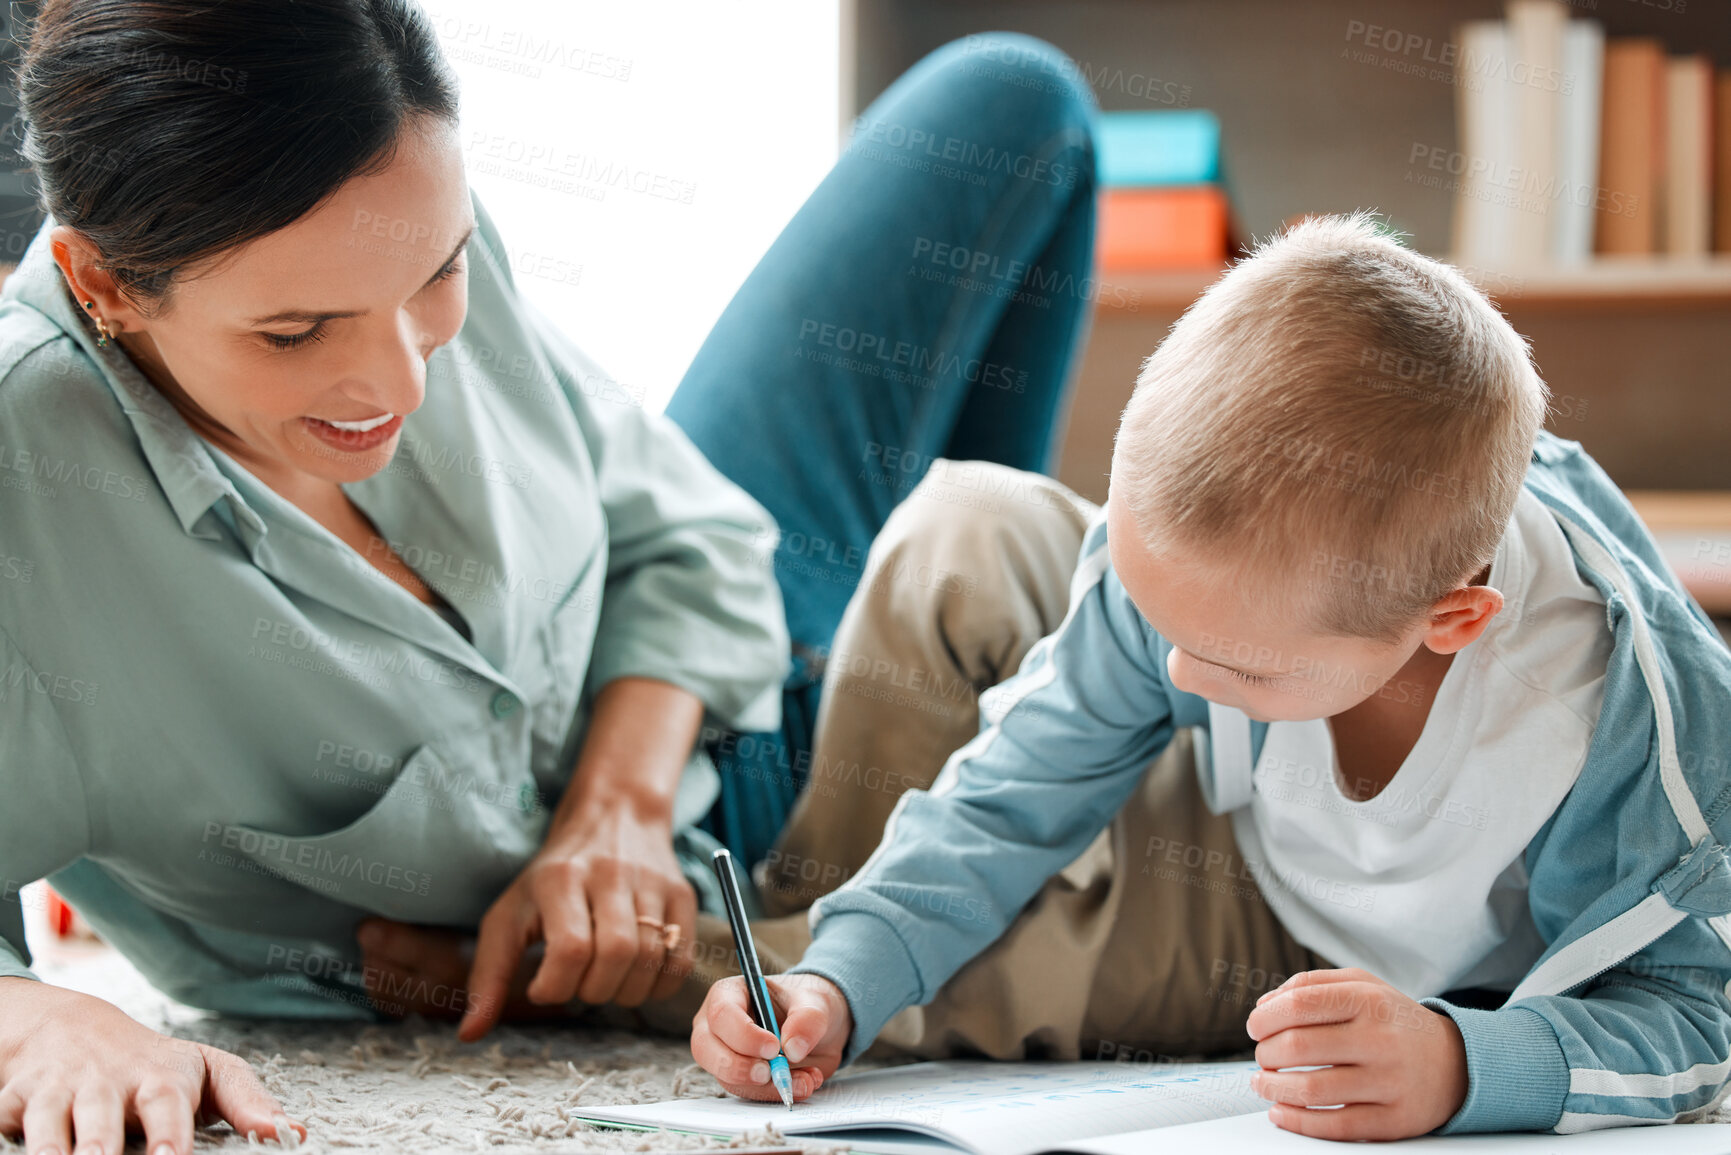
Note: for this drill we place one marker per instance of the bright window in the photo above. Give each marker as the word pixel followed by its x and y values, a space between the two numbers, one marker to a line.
pixel 640 157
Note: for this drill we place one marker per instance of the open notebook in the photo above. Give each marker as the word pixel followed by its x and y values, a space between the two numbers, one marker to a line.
pixel 1088 1108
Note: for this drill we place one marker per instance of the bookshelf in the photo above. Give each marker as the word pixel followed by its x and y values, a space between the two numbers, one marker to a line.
pixel 1608 282
pixel 1635 350
pixel 1617 282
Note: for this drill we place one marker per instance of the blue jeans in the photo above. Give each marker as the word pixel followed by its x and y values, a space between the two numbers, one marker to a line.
pixel 928 300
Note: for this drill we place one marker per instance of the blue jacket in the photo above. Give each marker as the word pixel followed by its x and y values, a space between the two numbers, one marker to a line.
pixel 1625 1017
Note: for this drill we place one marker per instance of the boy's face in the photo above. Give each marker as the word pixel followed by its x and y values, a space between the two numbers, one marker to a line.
pixel 1226 650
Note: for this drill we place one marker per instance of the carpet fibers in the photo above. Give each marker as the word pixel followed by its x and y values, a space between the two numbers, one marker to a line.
pixel 412 1087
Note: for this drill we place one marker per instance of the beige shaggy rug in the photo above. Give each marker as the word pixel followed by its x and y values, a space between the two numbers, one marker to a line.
pixel 411 1087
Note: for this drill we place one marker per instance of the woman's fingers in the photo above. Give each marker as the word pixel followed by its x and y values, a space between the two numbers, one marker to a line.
pixel 385 984
pixel 413 968
pixel 48 1122
pixel 12 1104
pixel 676 963
pixel 163 1102
pixel 568 937
pixel 386 942
pixel 164 1110
pixel 99 1120
pixel 618 938
pixel 83 1070
pixel 234 1092
pixel 645 969
pixel 503 937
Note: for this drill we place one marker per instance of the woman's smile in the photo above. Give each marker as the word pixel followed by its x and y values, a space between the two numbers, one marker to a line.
pixel 356 436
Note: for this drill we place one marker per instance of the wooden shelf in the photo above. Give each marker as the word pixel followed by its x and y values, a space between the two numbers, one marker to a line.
pixel 1608 281
pixel 1162 292
pixel 1682 509
pixel 1615 281
pixel 1620 282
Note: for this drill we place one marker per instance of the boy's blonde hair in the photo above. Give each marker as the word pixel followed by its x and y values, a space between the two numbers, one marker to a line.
pixel 1340 422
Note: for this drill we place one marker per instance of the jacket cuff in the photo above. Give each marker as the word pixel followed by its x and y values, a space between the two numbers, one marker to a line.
pixel 864 956
pixel 1517 1076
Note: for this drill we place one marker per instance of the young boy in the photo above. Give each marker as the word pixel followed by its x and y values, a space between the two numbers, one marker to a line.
pixel 1470 733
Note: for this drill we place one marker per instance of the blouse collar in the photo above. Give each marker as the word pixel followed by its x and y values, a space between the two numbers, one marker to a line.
pixel 179 457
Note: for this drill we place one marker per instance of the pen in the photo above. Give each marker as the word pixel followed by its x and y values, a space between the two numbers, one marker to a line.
pixel 762 1009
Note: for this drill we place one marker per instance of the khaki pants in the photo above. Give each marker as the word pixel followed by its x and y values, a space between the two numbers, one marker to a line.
pixel 1155 941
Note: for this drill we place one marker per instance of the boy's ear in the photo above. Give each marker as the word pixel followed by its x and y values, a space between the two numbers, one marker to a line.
pixel 1460 616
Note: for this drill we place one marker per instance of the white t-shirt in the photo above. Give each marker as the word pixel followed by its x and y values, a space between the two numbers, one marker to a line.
pixel 1424 885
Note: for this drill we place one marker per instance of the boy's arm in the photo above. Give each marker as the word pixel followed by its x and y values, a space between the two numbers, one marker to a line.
pixel 1645 1042
pixel 1648 1038
pixel 1062 745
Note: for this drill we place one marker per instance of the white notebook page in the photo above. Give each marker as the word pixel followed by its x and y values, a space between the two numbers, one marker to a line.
pixel 1000 1108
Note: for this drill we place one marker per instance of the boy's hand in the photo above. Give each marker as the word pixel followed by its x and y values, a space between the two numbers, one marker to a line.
pixel 1399 1068
pixel 815 1024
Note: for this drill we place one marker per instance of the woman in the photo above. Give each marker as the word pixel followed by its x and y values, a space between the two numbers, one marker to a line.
pixel 356 594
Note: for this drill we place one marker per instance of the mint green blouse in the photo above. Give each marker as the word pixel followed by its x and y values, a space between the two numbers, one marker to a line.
pixel 226 737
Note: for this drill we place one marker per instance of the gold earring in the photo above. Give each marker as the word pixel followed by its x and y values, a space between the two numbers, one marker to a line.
pixel 101 326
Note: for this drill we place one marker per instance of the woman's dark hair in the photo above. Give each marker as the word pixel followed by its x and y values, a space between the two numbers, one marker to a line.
pixel 167 131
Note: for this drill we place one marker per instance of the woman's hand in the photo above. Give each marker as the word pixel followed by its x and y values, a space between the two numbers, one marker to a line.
pixel 606 879
pixel 815 1025
pixel 1400 1068
pixel 583 896
pixel 74 1066
pixel 424 970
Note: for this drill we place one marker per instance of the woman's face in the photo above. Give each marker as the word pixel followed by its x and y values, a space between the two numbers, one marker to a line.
pixel 271 348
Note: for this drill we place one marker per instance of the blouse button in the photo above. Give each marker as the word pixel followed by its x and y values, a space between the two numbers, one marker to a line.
pixel 504 704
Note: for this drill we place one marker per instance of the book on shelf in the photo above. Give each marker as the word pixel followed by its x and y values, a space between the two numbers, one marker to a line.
pixel 1482 217
pixel 1157 147
pixel 1583 43
pixel 1630 156
pixel 1687 214
pixel 1163 228
pixel 1722 163
pixel 1538 86
pixel 1162 202
pixel 1574 145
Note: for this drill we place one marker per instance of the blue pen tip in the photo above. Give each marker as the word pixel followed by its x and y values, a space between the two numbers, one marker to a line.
pixel 783 1079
